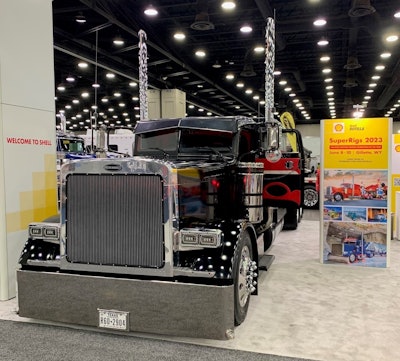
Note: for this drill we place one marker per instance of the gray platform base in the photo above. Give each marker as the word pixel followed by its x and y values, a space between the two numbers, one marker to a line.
pixel 157 307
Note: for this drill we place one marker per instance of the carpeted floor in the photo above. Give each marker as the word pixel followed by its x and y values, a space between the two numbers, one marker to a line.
pixel 37 342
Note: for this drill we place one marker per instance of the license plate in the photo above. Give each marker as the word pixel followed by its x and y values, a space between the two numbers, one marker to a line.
pixel 116 320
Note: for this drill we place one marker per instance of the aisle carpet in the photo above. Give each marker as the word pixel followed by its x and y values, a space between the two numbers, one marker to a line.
pixel 34 342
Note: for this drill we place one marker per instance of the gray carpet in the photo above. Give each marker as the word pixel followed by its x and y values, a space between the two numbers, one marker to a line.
pixel 27 341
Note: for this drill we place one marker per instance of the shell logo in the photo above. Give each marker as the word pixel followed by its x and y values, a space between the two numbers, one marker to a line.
pixel 338 128
pixel 397 148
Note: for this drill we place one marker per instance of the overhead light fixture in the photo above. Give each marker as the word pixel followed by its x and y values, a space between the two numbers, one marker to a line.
pixel 83 65
pixel 246 29
pixel 259 49
pixel 319 22
pixel 216 65
pixel 151 11
pixel 323 42
pixel 80 18
pixel 200 53
pixel 118 41
pixel 228 5
pixel 179 35
pixel 385 55
pixel 70 79
pixel 230 76
pixel 397 14
pixel 392 38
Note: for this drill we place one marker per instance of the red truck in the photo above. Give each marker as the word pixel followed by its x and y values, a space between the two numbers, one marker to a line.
pixel 354 190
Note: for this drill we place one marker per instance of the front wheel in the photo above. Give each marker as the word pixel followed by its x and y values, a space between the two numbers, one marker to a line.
pixel 244 277
pixel 310 197
pixel 337 197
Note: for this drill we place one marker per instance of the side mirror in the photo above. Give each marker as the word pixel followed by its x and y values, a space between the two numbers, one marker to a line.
pixel 271 143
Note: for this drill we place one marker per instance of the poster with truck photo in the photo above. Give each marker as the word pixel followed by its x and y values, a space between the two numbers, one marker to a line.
pixel 355 192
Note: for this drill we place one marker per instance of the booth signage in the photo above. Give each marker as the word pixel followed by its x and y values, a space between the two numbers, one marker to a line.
pixel 355 189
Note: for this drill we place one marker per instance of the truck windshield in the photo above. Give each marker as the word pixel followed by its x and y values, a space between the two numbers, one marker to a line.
pixel 166 140
pixel 71 145
pixel 193 139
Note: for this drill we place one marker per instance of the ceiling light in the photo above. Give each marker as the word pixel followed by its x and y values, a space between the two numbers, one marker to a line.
pixel 133 84
pixel 380 67
pixel 83 65
pixel 249 91
pixel 259 49
pixel 288 89
pixel 230 76
pixel 375 77
pixel 200 53
pixel 323 42
pixel 95 85
pixel 179 35
pixel 319 22
pixel 117 95
pixel 216 65
pixel 61 88
pixel 151 11
pixel 392 38
pixel 110 75
pixel 70 79
pixel 85 95
pixel 277 72
pixel 228 5
pixel 325 58
pixel 328 80
pixel 282 82
pixel 240 85
pixel 385 55
pixel 118 41
pixel 326 70
pixel 80 18
pixel 104 100
pixel 397 15
pixel 246 29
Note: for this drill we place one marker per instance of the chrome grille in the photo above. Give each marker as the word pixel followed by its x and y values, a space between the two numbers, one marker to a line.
pixel 115 220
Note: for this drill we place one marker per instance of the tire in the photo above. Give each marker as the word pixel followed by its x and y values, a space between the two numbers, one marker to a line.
pixel 337 197
pixel 291 219
pixel 268 238
pixel 352 258
pixel 311 197
pixel 243 267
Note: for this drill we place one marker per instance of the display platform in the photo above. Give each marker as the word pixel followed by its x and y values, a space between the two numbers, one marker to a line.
pixel 157 307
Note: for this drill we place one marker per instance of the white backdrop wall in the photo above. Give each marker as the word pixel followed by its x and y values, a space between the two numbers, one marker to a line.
pixel 28 184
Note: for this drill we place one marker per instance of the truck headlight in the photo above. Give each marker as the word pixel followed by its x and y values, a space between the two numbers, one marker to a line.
pixel 200 238
pixel 44 231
